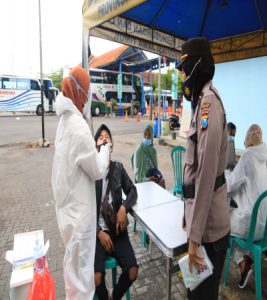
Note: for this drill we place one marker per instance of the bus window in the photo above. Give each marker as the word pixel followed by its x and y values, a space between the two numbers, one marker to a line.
pixel 127 79
pixel 9 83
pixel 0 82
pixel 110 78
pixel 34 85
pixel 137 81
pixel 111 95
pixel 23 84
pixel 95 77
pixel 126 97
pixel 48 83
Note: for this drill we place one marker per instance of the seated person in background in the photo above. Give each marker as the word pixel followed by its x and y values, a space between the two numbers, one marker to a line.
pixel 244 184
pixel 231 162
pixel 112 237
pixel 145 160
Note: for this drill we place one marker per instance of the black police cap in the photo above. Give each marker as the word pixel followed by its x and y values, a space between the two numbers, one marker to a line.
pixel 198 46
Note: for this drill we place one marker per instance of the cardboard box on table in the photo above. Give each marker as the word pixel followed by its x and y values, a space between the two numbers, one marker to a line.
pixel 22 260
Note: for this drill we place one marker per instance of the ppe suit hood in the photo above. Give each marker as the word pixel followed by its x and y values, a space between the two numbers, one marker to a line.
pixel 76 87
pixel 259 151
pixel 64 104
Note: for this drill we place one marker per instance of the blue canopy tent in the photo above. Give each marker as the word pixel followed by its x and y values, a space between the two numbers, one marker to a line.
pixel 215 19
pixel 237 29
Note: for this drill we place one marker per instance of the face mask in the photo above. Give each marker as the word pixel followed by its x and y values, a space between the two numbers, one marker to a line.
pixel 188 85
pixel 231 138
pixel 86 110
pixel 147 142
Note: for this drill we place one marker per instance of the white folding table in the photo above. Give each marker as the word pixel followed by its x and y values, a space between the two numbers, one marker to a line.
pixel 160 213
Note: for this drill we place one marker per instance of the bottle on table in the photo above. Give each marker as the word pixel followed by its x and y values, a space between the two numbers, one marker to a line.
pixel 39 258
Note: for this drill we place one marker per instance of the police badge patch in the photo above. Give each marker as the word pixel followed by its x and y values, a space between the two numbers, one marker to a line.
pixel 205 105
pixel 204 115
pixel 204 122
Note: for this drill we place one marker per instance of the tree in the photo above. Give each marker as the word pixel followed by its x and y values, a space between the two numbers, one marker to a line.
pixel 180 80
pixel 166 82
pixel 57 77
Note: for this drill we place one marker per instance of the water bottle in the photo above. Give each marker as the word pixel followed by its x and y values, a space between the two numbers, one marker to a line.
pixel 39 258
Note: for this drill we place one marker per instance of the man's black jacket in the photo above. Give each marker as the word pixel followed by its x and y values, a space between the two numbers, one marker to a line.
pixel 119 181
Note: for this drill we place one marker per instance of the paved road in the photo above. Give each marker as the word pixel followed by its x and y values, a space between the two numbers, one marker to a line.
pixel 20 129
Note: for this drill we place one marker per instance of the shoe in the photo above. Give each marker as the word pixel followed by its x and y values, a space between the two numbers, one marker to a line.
pixel 245 275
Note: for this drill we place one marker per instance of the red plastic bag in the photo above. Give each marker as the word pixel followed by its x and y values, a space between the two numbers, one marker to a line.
pixel 42 286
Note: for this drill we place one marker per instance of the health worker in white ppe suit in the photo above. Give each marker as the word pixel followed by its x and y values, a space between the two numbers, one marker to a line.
pixel 244 184
pixel 76 167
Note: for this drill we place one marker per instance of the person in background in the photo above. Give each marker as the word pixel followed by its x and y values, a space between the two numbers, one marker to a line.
pixel 76 166
pixel 231 128
pixel 145 156
pixel 114 240
pixel 231 158
pixel 245 183
pixel 206 219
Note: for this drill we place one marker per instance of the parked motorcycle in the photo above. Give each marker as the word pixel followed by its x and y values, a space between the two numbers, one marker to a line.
pixel 174 122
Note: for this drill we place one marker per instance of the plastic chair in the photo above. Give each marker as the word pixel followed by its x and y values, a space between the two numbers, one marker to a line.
pixel 254 247
pixel 111 263
pixel 176 156
pixel 144 235
pixel 132 161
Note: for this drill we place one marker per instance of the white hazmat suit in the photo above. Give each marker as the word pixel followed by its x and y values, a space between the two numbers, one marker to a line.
pixel 76 166
pixel 247 181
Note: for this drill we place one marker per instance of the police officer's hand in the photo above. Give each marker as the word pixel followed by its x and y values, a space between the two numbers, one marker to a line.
pixel 105 241
pixel 195 258
pixel 121 219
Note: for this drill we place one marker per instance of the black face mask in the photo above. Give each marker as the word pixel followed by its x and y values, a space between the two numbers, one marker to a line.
pixel 187 89
pixel 188 84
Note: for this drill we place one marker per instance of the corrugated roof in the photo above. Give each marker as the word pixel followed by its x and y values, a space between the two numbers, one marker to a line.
pixel 108 57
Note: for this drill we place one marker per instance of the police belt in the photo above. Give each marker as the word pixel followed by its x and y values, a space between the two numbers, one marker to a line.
pixel 189 189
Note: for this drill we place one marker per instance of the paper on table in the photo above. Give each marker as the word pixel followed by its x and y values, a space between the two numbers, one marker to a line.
pixel 192 280
pixel 24 245
pixel 21 276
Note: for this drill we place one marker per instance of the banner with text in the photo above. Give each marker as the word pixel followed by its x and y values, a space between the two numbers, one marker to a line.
pixel 132 41
pixel 96 12
pixel 131 28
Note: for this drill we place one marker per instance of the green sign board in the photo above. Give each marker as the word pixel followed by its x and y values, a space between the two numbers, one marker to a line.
pixel 120 86
pixel 174 84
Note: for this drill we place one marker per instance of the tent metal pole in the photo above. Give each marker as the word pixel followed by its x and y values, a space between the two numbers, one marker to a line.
pixel 132 93
pixel 41 73
pixel 151 95
pixel 159 92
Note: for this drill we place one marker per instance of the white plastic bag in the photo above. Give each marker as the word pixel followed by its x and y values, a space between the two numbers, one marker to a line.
pixel 192 280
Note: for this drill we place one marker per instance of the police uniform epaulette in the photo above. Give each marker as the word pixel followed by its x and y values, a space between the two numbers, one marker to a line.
pixel 218 97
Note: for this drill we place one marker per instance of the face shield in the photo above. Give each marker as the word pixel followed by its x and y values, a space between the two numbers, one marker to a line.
pixel 86 110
